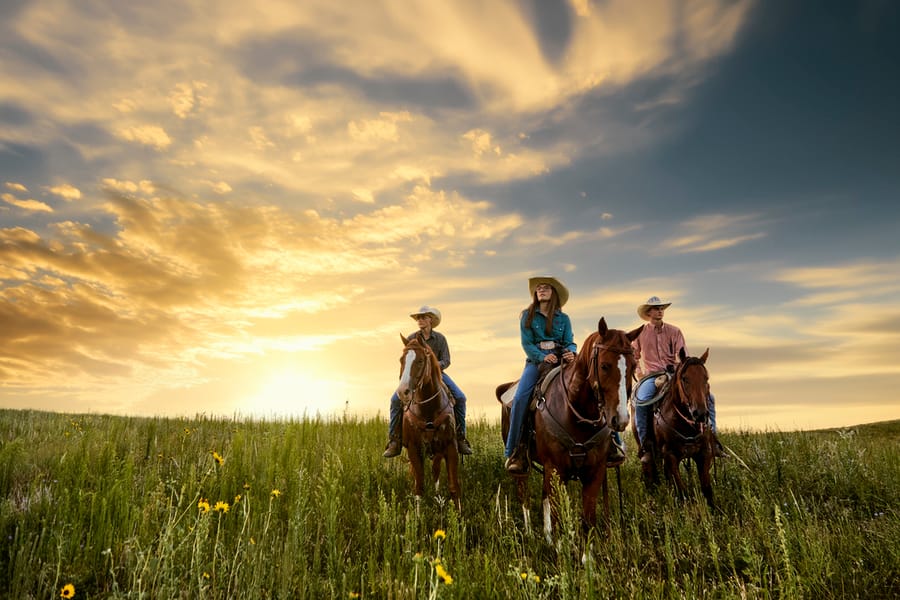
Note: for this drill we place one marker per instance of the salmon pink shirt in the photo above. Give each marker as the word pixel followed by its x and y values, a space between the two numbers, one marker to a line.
pixel 655 348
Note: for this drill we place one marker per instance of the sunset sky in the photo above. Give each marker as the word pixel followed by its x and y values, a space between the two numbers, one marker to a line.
pixel 208 208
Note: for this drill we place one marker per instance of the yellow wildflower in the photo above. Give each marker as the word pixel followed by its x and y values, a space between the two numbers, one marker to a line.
pixel 443 574
pixel 276 492
pixel 440 534
pixel 237 498
pixel 524 576
pixel 536 578
pixel 221 506
pixel 205 575
pixel 67 591
pixel 246 486
pixel 203 505
pixel 353 595
pixel 218 457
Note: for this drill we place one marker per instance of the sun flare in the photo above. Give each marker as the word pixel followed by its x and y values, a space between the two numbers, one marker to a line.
pixel 296 393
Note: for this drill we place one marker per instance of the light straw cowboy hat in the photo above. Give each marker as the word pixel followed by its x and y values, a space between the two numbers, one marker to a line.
pixel 428 310
pixel 561 292
pixel 653 301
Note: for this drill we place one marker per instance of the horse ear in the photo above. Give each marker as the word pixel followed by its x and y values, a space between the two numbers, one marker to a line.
pixel 601 327
pixel 405 341
pixel 634 333
pixel 682 355
pixel 705 356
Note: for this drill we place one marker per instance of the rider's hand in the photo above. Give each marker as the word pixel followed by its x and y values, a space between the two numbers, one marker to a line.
pixel 568 356
pixel 550 358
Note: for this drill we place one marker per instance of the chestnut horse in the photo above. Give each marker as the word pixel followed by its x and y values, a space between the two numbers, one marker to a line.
pixel 574 421
pixel 429 427
pixel 681 427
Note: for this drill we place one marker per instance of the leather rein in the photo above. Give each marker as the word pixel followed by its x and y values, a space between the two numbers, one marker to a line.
pixel 418 390
pixel 600 423
pixel 678 402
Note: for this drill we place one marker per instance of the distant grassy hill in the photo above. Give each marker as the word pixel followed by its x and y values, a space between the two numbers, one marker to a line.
pixel 123 507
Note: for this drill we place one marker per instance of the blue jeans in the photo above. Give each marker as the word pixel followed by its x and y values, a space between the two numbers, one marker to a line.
pixel 643 415
pixel 459 410
pixel 520 406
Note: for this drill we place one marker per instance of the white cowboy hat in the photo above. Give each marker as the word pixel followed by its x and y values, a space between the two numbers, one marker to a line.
pixel 652 301
pixel 561 292
pixel 434 313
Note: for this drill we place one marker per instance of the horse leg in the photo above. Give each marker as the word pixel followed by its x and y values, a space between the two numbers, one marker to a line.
pixel 452 459
pixel 436 472
pixel 417 468
pixel 546 504
pixel 704 465
pixel 522 495
pixel 589 492
pixel 673 474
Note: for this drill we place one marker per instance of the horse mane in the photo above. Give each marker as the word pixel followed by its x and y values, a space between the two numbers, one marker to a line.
pixel 435 370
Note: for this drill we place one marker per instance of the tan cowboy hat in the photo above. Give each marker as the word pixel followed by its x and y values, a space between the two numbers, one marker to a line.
pixel 644 309
pixel 428 310
pixel 561 291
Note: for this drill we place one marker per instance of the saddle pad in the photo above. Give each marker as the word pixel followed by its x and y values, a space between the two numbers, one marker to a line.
pixel 507 397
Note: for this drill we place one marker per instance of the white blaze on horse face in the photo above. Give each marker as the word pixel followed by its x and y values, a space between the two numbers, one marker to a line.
pixel 623 395
pixel 403 389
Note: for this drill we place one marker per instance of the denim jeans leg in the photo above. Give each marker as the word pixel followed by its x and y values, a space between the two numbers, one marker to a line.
pixel 396 415
pixel 459 409
pixel 643 415
pixel 520 406
pixel 711 404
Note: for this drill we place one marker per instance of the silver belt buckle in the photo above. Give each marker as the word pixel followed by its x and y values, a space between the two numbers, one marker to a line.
pixel 547 345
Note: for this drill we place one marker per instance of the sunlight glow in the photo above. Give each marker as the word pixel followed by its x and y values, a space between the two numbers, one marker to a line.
pixel 297 393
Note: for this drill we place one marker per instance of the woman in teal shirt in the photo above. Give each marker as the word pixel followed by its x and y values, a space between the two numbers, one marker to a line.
pixel 544 328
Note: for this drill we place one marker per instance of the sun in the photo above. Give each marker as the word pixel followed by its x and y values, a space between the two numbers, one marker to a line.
pixel 295 393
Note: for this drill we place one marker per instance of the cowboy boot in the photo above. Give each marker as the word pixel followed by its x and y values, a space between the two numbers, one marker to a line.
pixel 616 454
pixel 718 448
pixel 462 444
pixel 517 464
pixel 393 447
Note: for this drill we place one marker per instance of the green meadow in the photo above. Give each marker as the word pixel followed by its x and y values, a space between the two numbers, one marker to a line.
pixel 96 506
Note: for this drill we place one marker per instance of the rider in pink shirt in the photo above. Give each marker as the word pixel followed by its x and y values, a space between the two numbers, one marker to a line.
pixel 656 350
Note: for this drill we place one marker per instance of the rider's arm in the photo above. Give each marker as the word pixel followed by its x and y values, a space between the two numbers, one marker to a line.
pixel 442 350
pixel 529 341
pixel 567 337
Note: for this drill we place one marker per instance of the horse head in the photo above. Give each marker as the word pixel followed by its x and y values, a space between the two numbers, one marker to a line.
pixel 606 363
pixel 418 366
pixel 692 386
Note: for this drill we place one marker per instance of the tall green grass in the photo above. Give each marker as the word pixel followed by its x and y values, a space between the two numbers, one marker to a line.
pixel 123 507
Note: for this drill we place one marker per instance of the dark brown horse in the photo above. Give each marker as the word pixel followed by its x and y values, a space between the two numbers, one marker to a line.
pixel 681 427
pixel 574 421
pixel 429 427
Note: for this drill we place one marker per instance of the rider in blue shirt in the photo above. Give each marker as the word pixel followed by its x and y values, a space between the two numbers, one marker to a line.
pixel 543 327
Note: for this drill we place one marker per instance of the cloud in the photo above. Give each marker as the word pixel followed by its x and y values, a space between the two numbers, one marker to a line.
pixel 65 191
pixel 148 135
pixel 29 205
pixel 16 187
pixel 713 232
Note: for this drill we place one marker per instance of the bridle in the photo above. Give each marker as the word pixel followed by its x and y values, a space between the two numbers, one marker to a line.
pixel 426 374
pixel 679 396
pixel 578 450
pixel 593 379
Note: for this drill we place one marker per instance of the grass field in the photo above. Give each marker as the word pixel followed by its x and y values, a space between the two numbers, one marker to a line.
pixel 116 507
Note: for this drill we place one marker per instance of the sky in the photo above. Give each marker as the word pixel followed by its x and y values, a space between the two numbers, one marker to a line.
pixel 231 209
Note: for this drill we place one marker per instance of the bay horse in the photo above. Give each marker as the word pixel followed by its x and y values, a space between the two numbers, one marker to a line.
pixel 574 421
pixel 429 427
pixel 681 427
